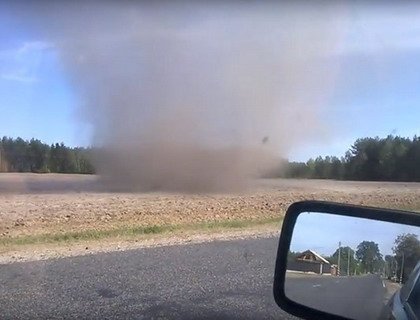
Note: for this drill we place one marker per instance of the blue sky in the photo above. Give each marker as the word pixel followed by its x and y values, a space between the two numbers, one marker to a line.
pixel 376 91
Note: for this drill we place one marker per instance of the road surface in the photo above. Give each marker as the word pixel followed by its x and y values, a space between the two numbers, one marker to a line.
pixel 223 280
pixel 359 297
pixel 226 280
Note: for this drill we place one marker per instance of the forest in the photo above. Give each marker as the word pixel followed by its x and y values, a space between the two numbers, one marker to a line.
pixel 18 155
pixel 392 158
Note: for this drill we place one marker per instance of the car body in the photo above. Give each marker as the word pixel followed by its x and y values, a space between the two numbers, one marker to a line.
pixel 405 303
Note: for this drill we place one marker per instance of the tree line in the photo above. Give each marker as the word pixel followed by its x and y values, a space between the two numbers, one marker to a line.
pixel 392 158
pixel 18 155
pixel 399 265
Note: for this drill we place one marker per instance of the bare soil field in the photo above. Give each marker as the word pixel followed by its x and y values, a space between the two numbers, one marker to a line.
pixel 32 204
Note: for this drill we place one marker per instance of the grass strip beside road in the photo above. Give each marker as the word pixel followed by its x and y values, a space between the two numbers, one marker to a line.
pixel 135 231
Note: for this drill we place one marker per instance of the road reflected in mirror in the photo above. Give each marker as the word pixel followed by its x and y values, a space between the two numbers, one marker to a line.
pixel 354 267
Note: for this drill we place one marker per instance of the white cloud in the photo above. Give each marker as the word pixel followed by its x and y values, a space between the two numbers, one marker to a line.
pixel 380 33
pixel 22 64
pixel 18 77
pixel 31 46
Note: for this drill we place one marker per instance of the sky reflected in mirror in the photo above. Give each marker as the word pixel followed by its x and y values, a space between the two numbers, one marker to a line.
pixel 323 232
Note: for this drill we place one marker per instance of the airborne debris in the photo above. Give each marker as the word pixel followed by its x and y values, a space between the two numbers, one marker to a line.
pixel 179 93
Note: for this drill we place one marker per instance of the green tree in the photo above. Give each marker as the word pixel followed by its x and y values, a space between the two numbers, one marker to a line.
pixel 391 266
pixel 346 257
pixel 410 165
pixel 54 159
pixel 84 158
pixel 18 155
pixel 407 252
pixel 38 156
pixel 369 256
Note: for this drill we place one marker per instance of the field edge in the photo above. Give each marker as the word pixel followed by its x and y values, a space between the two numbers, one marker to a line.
pixel 133 232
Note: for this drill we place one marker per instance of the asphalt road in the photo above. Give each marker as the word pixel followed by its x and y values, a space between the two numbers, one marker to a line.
pixel 217 280
pixel 352 297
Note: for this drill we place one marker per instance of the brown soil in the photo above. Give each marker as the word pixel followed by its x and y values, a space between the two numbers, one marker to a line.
pixel 35 204
pixel 58 250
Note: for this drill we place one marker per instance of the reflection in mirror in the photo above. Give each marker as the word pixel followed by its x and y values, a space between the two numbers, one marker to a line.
pixel 354 267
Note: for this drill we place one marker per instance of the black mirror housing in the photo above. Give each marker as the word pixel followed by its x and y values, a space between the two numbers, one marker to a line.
pixel 386 215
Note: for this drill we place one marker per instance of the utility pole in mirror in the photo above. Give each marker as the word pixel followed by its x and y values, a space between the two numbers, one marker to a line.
pixel 348 262
pixel 402 268
pixel 339 259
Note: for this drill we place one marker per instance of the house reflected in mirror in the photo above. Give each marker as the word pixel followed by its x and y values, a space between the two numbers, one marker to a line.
pixel 310 261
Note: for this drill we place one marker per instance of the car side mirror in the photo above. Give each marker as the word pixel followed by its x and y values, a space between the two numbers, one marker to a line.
pixel 337 261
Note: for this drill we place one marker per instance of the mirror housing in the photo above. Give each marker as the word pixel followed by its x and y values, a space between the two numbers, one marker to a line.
pixel 335 209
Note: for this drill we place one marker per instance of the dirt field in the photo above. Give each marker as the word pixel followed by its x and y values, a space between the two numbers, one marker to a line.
pixel 37 204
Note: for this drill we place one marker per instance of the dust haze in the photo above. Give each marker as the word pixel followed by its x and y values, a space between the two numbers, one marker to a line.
pixel 191 96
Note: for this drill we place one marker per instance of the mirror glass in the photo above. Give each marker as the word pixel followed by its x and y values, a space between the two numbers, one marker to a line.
pixel 354 267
